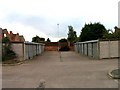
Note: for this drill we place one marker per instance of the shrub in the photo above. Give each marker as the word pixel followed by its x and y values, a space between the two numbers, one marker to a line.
pixel 7 52
pixel 64 48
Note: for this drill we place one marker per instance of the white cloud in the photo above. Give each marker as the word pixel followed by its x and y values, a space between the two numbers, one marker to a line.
pixel 27 31
pixel 56 11
pixel 60 8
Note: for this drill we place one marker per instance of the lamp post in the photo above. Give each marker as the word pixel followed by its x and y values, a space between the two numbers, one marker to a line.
pixel 58 36
pixel 58 45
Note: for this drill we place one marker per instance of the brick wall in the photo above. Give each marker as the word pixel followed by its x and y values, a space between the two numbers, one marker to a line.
pixel 53 46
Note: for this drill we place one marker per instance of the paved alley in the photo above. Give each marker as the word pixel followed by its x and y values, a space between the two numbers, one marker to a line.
pixel 60 70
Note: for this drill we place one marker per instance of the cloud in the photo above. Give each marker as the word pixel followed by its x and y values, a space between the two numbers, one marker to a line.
pixel 45 24
pixel 27 31
pixel 42 16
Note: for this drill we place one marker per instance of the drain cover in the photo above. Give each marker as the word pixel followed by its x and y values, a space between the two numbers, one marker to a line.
pixel 115 74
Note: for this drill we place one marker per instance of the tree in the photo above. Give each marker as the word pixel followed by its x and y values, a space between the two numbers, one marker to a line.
pixel 63 45
pixel 63 40
pixel 48 40
pixel 38 39
pixel 92 32
pixel 42 39
pixel 116 33
pixel 71 34
pixel 109 34
pixel 7 52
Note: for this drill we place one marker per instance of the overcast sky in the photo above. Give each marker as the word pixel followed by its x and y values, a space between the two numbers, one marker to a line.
pixel 40 17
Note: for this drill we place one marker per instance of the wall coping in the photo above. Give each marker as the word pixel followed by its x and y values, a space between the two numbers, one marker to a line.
pixel 28 43
pixel 93 41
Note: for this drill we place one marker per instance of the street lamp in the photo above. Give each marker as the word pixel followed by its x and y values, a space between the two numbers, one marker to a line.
pixel 58 44
pixel 58 36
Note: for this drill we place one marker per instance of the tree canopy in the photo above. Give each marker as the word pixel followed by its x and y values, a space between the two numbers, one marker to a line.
pixel 116 34
pixel 38 39
pixel 63 40
pixel 7 52
pixel 48 40
pixel 92 32
pixel 71 34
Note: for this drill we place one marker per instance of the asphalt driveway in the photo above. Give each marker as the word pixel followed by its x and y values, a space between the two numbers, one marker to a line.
pixel 65 70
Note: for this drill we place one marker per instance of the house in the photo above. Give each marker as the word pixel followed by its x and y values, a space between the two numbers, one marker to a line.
pixel 12 37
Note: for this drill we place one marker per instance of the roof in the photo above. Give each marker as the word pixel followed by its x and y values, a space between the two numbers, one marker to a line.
pixel 13 37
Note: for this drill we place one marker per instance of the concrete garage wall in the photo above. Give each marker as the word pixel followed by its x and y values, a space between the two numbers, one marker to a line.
pixel 108 49
pixel 98 49
pixel 114 45
pixel 27 50
pixel 90 49
pixel 85 48
pixel 82 49
pixel 18 49
pixel 95 50
pixel 32 49
pixel 75 47
pixel 104 49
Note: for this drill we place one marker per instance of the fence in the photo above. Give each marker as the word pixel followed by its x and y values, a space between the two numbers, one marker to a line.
pixel 27 50
pixel 98 49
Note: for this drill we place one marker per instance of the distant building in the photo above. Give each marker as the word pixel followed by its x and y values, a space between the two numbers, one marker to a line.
pixel 12 37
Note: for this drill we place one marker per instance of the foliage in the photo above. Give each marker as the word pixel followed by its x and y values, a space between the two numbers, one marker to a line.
pixel 64 48
pixel 64 45
pixel 110 35
pixel 117 33
pixel 72 37
pixel 92 32
pixel 48 40
pixel 63 40
pixel 38 39
pixel 7 42
pixel 7 53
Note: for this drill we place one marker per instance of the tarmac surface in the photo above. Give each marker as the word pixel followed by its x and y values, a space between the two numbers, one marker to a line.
pixel 60 70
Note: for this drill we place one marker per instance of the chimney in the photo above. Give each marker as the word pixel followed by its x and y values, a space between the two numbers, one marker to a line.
pixel 11 33
pixel 5 31
pixel 18 34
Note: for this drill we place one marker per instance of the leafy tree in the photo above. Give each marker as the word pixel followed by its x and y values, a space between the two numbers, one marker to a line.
pixel 92 32
pixel 7 42
pixel 112 35
pixel 7 52
pixel 116 33
pixel 38 39
pixel 71 34
pixel 109 34
pixel 63 40
pixel 42 39
pixel 48 40
pixel 63 45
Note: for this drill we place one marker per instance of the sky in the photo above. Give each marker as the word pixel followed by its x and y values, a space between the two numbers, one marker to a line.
pixel 41 17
